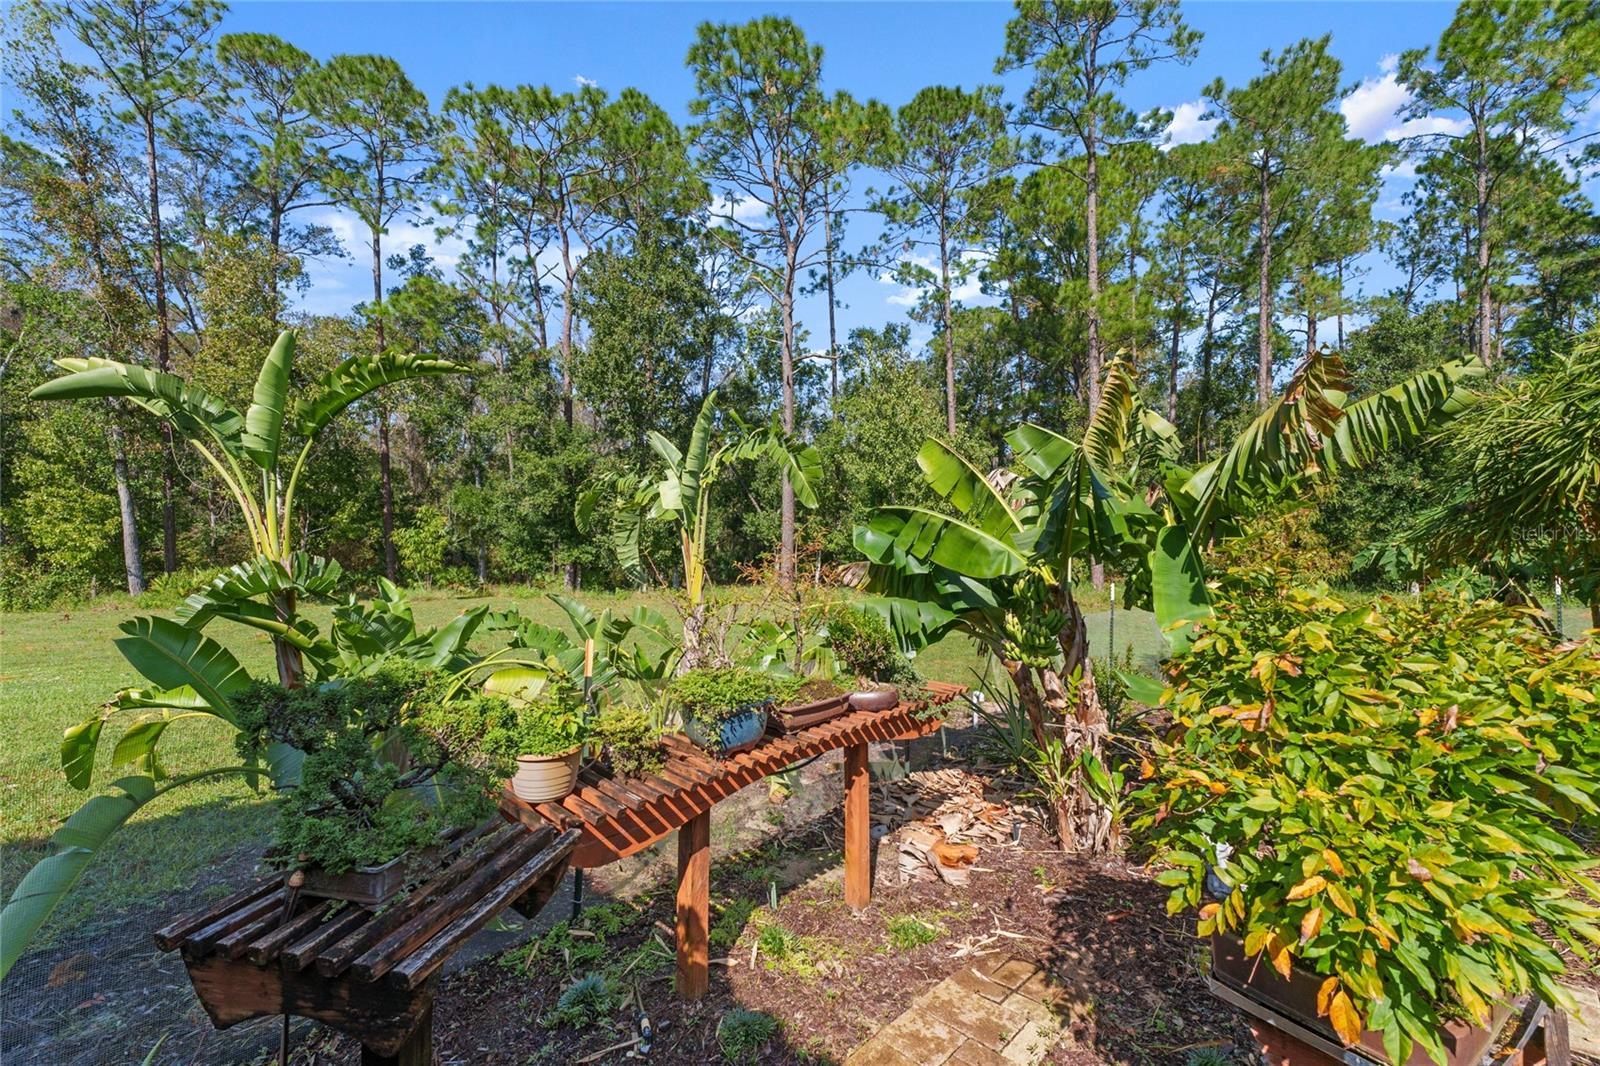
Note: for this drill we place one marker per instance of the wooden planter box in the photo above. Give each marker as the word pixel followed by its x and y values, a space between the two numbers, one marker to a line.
pixel 371 885
pixel 1295 998
pixel 784 720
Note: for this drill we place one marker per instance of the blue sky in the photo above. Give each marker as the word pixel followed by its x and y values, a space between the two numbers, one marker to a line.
pixel 884 50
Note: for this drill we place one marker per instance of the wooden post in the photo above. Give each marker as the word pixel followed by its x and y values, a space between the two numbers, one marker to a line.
pixel 694 907
pixel 416 1051
pixel 857 827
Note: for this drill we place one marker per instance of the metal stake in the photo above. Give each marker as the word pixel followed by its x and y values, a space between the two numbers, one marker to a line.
pixel 577 893
pixel 1561 629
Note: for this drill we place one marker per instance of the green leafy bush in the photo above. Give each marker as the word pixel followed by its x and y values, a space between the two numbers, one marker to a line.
pixel 864 647
pixel 549 724
pixel 717 694
pixel 743 1034
pixel 631 742
pixel 1384 788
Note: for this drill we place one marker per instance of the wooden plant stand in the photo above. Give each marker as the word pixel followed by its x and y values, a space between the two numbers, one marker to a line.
pixel 370 973
pixel 619 816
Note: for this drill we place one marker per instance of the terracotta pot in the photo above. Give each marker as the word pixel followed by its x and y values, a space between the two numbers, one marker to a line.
pixel 1295 997
pixel 740 732
pixel 878 699
pixel 546 778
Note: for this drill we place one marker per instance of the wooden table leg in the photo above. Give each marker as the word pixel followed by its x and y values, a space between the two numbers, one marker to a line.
pixel 416 1051
pixel 857 827
pixel 694 907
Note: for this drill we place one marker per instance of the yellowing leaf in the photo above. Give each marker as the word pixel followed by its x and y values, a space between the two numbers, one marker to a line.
pixel 1310 923
pixel 1334 862
pixel 1341 899
pixel 1346 1022
pixel 1325 996
pixel 1210 910
pixel 1282 956
pixel 1309 887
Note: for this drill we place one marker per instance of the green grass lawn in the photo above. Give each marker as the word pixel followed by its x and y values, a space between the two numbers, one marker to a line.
pixel 57 666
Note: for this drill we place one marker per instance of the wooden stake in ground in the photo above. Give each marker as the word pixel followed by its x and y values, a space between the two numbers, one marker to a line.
pixel 694 907
pixel 857 827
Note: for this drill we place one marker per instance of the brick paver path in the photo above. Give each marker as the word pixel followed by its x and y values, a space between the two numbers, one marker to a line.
pixel 995 1013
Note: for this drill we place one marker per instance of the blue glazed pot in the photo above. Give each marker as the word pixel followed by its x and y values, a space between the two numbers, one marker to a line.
pixel 738 732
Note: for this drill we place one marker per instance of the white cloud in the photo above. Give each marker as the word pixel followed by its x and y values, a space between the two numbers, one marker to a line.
pixel 583 83
pixel 1417 127
pixel 1187 127
pixel 1406 169
pixel 965 290
pixel 742 209
pixel 1372 110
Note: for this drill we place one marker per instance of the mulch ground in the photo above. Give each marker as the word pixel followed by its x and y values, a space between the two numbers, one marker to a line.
pixel 830 978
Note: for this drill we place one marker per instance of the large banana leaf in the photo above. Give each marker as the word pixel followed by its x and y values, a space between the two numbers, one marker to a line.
pixel 263 421
pixel 306 575
pixel 1106 437
pixel 358 376
pixel 944 541
pixel 173 656
pixel 1041 451
pixel 193 411
pixel 957 480
pixel 77 842
pixel 1177 586
pixel 1399 414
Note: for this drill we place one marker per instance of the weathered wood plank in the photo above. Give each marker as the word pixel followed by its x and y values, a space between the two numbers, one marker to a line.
pixel 857 827
pixel 414 928
pixel 266 948
pixel 421 963
pixel 169 936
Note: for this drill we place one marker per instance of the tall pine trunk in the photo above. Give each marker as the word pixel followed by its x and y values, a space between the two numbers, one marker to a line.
pixel 833 329
pixel 391 560
pixel 1481 215
pixel 1264 298
pixel 169 513
pixel 1092 255
pixel 949 331
pixel 786 552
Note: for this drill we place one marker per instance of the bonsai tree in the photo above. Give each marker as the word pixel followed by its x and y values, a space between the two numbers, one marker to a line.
pixel 1380 796
pixel 999 568
pixel 681 493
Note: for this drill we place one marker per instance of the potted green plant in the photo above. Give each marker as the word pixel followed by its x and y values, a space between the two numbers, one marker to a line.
pixel 375 794
pixel 865 649
pixel 724 709
pixel 1367 806
pixel 541 736
pixel 625 737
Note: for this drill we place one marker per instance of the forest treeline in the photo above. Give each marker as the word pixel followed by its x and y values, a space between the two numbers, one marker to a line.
pixel 165 186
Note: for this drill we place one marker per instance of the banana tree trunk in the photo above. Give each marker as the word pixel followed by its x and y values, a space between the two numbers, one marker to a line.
pixel 291 666
pixel 1059 706
pixel 694 653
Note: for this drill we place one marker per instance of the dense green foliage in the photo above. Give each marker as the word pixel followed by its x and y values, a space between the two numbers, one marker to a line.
pixel 713 694
pixel 630 741
pixel 616 269
pixel 1387 790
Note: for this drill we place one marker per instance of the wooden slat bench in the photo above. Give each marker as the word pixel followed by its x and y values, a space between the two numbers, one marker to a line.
pixel 370 973
pixel 619 816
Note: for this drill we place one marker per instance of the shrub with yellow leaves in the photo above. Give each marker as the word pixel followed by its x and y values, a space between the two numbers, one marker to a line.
pixel 1387 792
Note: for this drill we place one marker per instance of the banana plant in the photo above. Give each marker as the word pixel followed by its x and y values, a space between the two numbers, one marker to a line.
pixel 999 567
pixel 680 493
pixel 647 660
pixel 260 457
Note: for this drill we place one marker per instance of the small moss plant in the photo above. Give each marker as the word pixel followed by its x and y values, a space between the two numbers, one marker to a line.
pixel 743 1034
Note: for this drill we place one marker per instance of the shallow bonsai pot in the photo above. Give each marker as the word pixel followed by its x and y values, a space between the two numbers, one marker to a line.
pixel 741 731
pixel 1295 997
pixel 878 699
pixel 803 715
pixel 546 778
pixel 368 885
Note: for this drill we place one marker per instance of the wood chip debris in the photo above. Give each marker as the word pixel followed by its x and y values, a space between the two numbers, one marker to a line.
pixel 943 821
